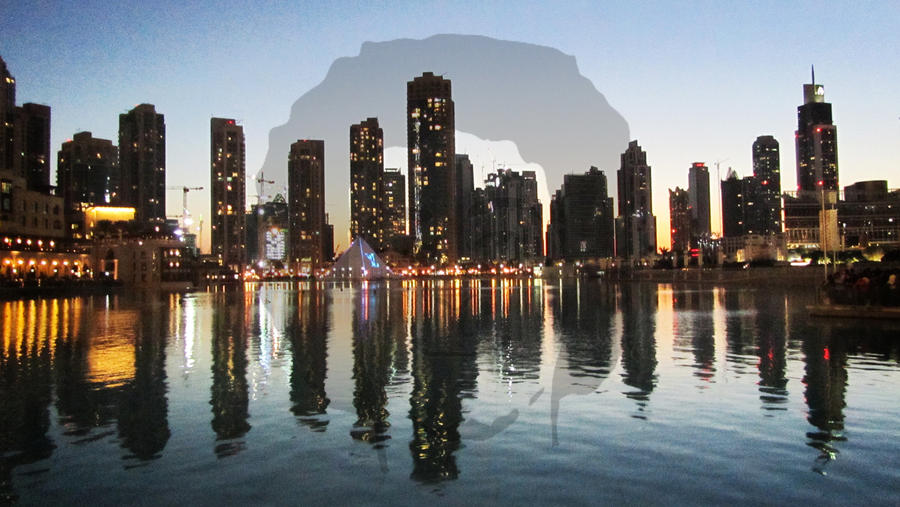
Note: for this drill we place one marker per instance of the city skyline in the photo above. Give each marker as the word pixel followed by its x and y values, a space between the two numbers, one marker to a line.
pixel 650 91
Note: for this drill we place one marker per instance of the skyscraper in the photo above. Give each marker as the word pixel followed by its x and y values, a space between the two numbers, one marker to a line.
pixel 306 205
pixel 431 146
pixel 635 225
pixel 366 180
pixel 464 186
pixel 816 138
pixel 698 200
pixel 142 163
pixel 517 218
pixel 228 196
pixel 680 220
pixel 582 221
pixel 32 145
pixel 87 172
pixel 7 117
pixel 767 171
pixel 394 209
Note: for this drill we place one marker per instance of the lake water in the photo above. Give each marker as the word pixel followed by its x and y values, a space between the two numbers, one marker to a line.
pixel 447 392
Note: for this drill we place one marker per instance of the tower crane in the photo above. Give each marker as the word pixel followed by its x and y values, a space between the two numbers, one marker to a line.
pixel 184 210
pixel 261 186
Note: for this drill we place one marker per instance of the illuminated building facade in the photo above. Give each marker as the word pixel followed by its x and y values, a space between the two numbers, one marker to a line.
pixel 142 162
pixel 394 209
pixel 635 225
pixel 268 229
pixel 582 221
pixel 516 218
pixel 816 141
pixel 767 171
pixel 306 205
pixel 431 145
pixel 366 182
pixel 680 220
pixel 228 182
pixel 87 172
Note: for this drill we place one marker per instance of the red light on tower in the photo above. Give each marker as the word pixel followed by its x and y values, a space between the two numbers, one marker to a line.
pixel 818 129
pixel 820 183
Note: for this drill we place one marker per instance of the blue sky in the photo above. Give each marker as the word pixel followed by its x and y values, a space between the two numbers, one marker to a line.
pixel 697 81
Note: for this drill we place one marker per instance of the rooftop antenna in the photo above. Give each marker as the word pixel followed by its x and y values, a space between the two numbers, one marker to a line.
pixel 812 68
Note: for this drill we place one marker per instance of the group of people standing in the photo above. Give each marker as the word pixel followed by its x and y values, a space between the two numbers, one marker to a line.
pixel 870 286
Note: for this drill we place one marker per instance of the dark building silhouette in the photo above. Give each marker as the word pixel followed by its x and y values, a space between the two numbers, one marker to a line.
pixel 582 224
pixel 393 209
pixel 698 193
pixel 869 214
pixel 767 171
pixel 740 205
pixel 32 145
pixel 306 205
pixel 87 171
pixel 142 162
pixel 87 174
pixel 816 138
pixel 7 117
pixel 366 181
pixel 680 220
pixel 431 145
pixel 228 199
pixel 635 225
pixel 464 187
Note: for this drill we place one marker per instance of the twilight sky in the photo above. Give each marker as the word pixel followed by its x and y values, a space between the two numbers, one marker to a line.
pixel 696 81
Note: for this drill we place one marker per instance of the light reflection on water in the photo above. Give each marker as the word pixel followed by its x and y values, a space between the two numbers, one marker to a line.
pixel 505 390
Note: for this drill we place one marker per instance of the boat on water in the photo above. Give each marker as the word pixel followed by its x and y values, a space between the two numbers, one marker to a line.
pixel 854 311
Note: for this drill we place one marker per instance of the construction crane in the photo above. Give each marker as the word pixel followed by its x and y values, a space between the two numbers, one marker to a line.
pixel 261 186
pixel 184 210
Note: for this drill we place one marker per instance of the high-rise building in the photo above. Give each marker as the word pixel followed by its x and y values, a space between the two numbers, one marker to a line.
pixel 306 205
pixel 816 140
pixel 32 145
pixel 681 220
pixel 394 209
pixel 767 171
pixel 268 227
pixel 142 163
pixel 698 197
pixel 366 180
pixel 228 192
pixel 635 225
pixel 7 117
pixel 431 146
pixel 465 184
pixel 517 218
pixel 87 171
pixel 581 219
pixel 742 208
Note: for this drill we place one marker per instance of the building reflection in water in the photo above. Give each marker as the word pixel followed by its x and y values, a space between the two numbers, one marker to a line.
pixel 372 346
pixel 771 348
pixel 25 389
pixel 230 393
pixel 444 371
pixel 826 386
pixel 143 410
pixel 638 306
pixel 583 313
pixel 307 332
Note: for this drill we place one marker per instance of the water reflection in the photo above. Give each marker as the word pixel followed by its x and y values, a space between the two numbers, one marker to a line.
pixel 307 331
pixel 471 359
pixel 230 392
pixel 371 364
pixel 638 305
pixel 583 314
pixel 444 371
